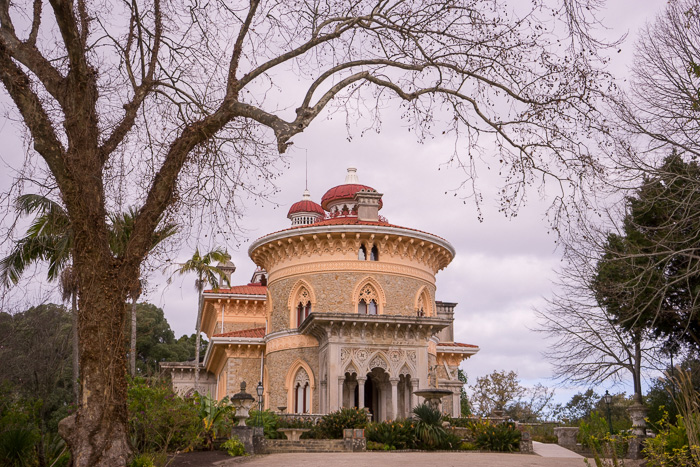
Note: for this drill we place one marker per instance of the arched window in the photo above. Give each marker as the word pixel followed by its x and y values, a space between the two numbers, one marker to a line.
pixel 303 311
pixel 367 303
pixel 372 308
pixel 374 254
pixel 362 307
pixel 362 254
pixel 302 392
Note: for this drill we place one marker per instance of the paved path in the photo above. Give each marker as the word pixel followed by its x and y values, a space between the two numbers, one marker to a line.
pixel 553 450
pixel 403 459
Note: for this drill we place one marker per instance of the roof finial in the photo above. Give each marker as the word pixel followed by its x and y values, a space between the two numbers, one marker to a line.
pixel 306 158
pixel 351 177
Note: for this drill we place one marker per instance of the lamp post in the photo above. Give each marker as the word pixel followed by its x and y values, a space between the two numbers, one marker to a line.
pixel 260 390
pixel 607 398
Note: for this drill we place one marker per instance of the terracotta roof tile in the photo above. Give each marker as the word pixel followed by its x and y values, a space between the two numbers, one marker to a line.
pixel 249 289
pixel 457 344
pixel 306 205
pixel 346 191
pixel 255 332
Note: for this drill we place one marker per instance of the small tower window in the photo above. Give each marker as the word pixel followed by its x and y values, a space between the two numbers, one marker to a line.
pixel 362 254
pixel 303 312
pixel 374 254
pixel 372 308
pixel 362 307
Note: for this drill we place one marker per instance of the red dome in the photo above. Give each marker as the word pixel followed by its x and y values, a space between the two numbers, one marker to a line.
pixel 305 205
pixel 346 191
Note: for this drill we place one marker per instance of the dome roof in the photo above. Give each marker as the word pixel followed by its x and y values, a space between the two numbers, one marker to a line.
pixel 346 191
pixel 305 205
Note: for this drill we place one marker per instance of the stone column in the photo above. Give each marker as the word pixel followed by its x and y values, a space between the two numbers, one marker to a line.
pixel 394 397
pixel 341 383
pixel 323 397
pixel 415 400
pixel 361 392
pixel 408 396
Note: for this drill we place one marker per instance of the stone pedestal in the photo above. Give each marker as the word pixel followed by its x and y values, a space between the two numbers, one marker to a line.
pixel 566 436
pixel 637 413
pixel 245 434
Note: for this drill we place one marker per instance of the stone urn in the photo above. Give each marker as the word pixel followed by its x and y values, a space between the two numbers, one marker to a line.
pixel 242 402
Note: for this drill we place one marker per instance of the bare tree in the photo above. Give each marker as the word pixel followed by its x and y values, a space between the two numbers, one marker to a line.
pixel 173 107
pixel 589 345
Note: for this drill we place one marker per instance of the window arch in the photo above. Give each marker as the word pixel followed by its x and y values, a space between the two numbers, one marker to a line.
pixel 302 392
pixel 424 305
pixel 368 300
pixel 362 253
pixel 374 254
pixel 299 384
pixel 369 297
pixel 301 303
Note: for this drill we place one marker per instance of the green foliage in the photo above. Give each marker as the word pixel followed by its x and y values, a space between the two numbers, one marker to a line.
pixel 331 426
pixel 468 446
pixel 215 416
pixel 464 407
pixel 503 437
pixel 429 431
pixel 143 460
pixel 594 430
pixel 375 446
pixel 17 446
pixel 234 447
pixel 155 341
pixel 399 434
pixel 159 420
pixel 271 422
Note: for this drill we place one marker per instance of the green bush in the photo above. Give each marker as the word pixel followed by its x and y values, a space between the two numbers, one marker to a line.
pixel 269 421
pixel 399 434
pixel 590 433
pixel 331 426
pixel 234 447
pixel 669 448
pixel 160 420
pixel 503 437
pixel 468 446
pixel 143 460
pixel 430 433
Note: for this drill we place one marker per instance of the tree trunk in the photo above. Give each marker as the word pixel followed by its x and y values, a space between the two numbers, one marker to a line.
pixel 97 434
pixel 76 352
pixel 132 347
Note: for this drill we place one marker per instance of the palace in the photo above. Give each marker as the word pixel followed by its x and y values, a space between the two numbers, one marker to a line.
pixel 341 312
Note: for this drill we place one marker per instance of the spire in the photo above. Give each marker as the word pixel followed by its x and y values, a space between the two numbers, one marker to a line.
pixel 306 160
pixel 351 177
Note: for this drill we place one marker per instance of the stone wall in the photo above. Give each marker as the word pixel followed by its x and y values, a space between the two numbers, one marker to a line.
pixel 242 369
pixel 278 364
pixel 334 293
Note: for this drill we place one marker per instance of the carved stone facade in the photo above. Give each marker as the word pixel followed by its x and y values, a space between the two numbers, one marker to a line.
pixel 341 313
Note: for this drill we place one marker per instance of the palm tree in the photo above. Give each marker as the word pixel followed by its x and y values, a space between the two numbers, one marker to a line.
pixel 202 265
pixel 48 238
pixel 121 228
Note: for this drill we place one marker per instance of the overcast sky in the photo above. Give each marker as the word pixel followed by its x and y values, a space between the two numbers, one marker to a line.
pixel 503 267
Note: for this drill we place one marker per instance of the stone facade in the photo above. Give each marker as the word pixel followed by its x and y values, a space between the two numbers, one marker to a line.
pixel 341 313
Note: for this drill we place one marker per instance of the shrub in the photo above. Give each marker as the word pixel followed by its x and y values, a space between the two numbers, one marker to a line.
pixel 399 434
pixel 269 421
pixel 215 416
pixel 428 428
pixel 160 420
pixel 142 460
pixel 374 446
pixel 468 446
pixel 669 448
pixel 331 426
pixel 592 432
pixel 503 437
pixel 234 447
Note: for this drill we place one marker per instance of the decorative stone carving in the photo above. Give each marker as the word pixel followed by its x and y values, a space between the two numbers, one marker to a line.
pixel 344 354
pixel 412 356
pixel 301 378
pixel 394 356
pixel 378 362
pixel 361 354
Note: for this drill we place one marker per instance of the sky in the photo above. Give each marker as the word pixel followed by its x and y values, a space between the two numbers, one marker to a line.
pixel 503 268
